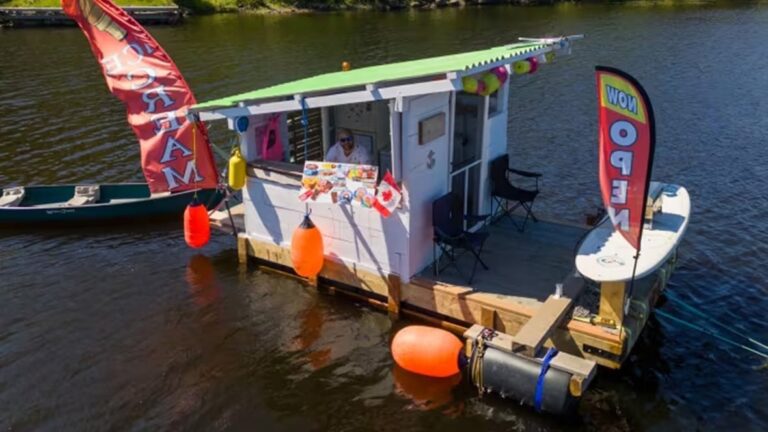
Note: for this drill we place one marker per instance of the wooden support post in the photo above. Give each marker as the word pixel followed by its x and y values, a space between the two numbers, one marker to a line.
pixel 393 295
pixel 242 249
pixel 576 385
pixel 470 337
pixel 612 302
pixel 488 317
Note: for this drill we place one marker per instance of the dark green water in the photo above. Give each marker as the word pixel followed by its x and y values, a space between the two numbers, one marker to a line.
pixel 127 329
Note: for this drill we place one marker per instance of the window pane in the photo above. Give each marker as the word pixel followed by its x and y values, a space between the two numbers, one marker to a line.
pixel 314 136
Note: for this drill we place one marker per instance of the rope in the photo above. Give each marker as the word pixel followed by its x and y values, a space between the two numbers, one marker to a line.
pixel 709 332
pixel 709 319
pixel 476 370
pixel 476 360
pixel 222 154
pixel 631 283
pixel 231 219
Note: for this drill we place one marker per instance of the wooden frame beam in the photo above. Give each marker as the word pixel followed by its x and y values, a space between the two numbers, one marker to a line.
pixel 445 303
pixel 612 302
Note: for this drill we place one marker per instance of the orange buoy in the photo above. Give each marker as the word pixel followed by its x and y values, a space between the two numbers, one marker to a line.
pixel 197 226
pixel 427 351
pixel 346 66
pixel 307 249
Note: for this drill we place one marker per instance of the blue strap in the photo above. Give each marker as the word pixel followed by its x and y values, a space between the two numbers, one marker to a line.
pixel 539 395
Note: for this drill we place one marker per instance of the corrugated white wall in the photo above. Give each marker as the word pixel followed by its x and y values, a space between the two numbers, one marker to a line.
pixel 355 235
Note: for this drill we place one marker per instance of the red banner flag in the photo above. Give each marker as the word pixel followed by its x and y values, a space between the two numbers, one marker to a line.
pixel 627 139
pixel 175 153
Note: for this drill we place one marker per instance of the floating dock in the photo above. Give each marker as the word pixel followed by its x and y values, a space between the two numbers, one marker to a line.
pixel 514 298
pixel 53 17
pixel 525 310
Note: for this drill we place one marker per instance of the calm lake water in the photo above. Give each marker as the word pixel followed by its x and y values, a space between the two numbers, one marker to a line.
pixel 127 329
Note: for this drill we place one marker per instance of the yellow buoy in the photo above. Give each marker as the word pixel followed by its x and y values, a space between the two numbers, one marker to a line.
pixel 470 84
pixel 492 83
pixel 522 67
pixel 236 170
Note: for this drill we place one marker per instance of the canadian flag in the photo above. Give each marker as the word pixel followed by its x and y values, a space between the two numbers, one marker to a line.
pixel 388 195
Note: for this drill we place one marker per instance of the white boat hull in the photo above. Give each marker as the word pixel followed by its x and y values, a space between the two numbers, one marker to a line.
pixel 605 256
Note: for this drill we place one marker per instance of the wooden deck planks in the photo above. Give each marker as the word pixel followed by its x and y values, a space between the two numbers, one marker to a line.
pixel 523 266
pixel 462 305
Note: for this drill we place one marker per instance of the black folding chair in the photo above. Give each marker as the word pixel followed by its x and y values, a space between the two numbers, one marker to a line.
pixel 449 234
pixel 504 192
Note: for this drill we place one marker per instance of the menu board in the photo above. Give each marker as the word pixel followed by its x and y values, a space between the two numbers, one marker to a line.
pixel 339 183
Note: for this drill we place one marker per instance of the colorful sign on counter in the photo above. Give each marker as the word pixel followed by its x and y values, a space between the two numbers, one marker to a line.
pixel 339 183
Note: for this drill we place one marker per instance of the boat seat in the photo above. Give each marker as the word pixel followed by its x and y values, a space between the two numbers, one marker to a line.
pixel 12 197
pixel 86 194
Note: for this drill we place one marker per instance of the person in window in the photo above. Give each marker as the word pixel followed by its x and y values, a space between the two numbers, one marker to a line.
pixel 345 150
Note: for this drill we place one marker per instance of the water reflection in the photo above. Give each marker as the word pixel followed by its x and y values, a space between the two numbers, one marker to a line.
pixel 311 321
pixel 201 277
pixel 425 393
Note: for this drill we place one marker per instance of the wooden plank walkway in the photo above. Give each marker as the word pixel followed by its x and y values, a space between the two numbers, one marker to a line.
pixel 51 16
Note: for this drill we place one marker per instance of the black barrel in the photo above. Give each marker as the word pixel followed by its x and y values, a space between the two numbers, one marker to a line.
pixel 516 377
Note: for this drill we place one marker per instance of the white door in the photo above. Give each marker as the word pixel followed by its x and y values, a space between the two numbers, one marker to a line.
pixel 467 151
pixel 425 170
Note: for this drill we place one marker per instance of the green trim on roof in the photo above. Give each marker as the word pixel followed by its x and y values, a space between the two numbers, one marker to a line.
pixel 378 74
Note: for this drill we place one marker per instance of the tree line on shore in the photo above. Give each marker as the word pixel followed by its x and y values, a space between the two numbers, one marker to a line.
pixel 213 6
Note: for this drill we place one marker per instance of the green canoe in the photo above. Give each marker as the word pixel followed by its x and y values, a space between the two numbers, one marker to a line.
pixel 108 203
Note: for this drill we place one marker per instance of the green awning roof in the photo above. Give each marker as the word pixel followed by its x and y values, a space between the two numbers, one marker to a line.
pixel 378 74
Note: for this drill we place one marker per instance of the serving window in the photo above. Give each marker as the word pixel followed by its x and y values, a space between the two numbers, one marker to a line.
pixel 314 142
pixel 365 125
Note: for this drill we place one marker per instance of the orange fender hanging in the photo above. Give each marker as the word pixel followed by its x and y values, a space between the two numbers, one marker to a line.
pixel 307 253
pixel 427 351
pixel 197 226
